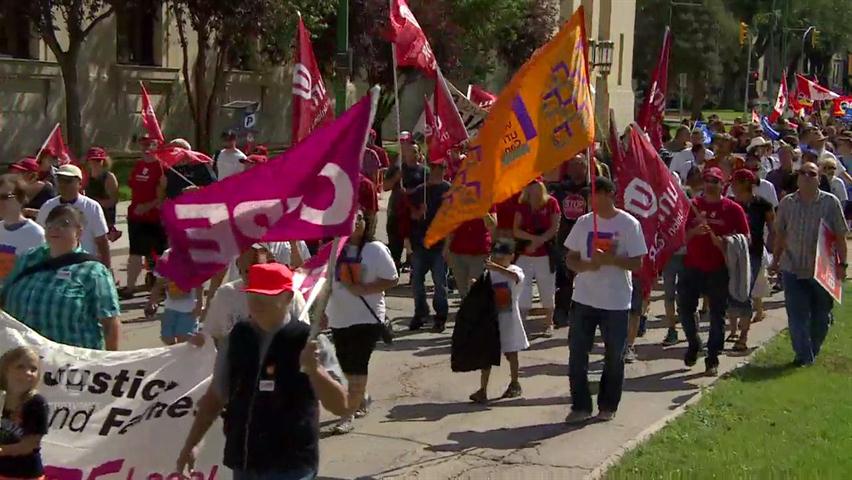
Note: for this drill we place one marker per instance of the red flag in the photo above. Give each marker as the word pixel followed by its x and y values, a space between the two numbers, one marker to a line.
pixel 812 90
pixel 841 105
pixel 650 193
pixel 171 155
pixel 54 146
pixel 149 118
pixel 433 134
pixel 653 109
pixel 412 47
pixel 755 118
pixel 780 100
pixel 311 103
pixel 482 97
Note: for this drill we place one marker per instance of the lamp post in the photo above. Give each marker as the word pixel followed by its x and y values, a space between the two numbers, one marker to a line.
pixel 343 60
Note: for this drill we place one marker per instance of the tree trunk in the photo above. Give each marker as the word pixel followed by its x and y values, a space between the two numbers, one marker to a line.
pixel 202 133
pixel 698 89
pixel 73 115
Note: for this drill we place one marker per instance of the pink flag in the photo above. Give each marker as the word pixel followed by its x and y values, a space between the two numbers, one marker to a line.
pixel 308 275
pixel 311 103
pixel 780 100
pixel 171 155
pixel 812 90
pixel 649 191
pixel 653 109
pixel 482 97
pixel 55 146
pixel 412 47
pixel 306 193
pixel 149 118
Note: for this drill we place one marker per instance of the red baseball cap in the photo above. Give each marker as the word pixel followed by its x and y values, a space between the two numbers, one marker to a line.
pixel 745 174
pixel 96 153
pixel 26 165
pixel 256 159
pixel 269 279
pixel 260 150
pixel 713 172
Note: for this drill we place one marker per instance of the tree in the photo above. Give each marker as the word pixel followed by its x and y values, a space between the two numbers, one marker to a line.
pixel 79 17
pixel 222 27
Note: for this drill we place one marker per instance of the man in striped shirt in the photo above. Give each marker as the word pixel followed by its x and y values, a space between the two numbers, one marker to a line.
pixel 797 232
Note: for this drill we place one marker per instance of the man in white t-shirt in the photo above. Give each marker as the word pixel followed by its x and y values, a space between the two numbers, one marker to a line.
pixel 69 180
pixel 229 160
pixel 684 160
pixel 603 291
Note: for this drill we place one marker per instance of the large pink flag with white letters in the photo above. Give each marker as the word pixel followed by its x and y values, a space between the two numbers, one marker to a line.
pixel 306 193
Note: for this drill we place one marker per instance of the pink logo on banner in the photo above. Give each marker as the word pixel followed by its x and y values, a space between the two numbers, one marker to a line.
pixel 307 277
pixel 306 193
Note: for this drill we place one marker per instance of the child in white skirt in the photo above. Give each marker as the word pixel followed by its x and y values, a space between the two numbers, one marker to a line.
pixel 508 283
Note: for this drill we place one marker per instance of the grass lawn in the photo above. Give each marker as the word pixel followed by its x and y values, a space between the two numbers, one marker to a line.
pixel 726 116
pixel 121 169
pixel 766 420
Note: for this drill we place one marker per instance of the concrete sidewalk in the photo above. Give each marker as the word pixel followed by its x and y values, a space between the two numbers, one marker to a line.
pixel 422 426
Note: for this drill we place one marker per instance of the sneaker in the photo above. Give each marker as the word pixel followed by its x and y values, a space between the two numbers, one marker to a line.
pixel 671 338
pixel 630 355
pixel 364 409
pixel 416 323
pixel 343 426
pixel 690 358
pixel 605 416
pixel 643 326
pixel 513 391
pixel 711 371
pixel 548 332
pixel 577 416
pixel 439 325
pixel 479 397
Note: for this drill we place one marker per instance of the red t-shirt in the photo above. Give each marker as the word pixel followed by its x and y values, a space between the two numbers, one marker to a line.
pixel 471 238
pixel 144 181
pixel 506 213
pixel 539 221
pixel 368 199
pixel 380 152
pixel 725 217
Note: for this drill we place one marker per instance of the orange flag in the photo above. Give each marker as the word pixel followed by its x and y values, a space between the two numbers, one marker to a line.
pixel 542 118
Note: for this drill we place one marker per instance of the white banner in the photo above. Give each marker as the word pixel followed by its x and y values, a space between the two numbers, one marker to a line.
pixel 120 415
pixel 472 114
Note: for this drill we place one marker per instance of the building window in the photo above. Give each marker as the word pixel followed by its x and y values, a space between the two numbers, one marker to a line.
pixel 620 57
pixel 137 31
pixel 16 37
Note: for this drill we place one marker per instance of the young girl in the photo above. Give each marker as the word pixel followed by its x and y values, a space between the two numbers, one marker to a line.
pixel 508 283
pixel 24 415
pixel 182 310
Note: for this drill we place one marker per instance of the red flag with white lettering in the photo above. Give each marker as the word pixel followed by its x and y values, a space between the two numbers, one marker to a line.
pixel 451 130
pixel 149 118
pixel 482 97
pixel 55 146
pixel 649 191
pixel 412 47
pixel 653 109
pixel 311 103
pixel 780 100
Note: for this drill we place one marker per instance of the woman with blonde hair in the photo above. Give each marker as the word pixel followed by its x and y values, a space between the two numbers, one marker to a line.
pixel 103 186
pixel 536 224
pixel 24 415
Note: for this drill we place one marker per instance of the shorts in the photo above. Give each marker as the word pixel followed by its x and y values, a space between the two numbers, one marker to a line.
pixel 355 345
pixel 538 269
pixel 146 237
pixel 178 324
pixel 672 271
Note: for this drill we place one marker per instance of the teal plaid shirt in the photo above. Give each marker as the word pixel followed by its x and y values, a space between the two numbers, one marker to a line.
pixel 64 305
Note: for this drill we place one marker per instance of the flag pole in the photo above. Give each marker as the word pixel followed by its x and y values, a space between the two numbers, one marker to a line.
pixel 396 108
pixel 44 145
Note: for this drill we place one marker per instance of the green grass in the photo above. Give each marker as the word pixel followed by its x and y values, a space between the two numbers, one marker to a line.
pixel 767 420
pixel 122 169
pixel 726 116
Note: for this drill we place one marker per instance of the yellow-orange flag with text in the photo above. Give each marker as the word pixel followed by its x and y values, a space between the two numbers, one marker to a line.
pixel 544 117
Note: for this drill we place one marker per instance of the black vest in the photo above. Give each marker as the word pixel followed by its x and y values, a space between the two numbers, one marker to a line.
pixel 270 430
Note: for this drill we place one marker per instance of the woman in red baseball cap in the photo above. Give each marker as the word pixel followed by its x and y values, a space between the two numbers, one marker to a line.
pixel 38 191
pixel 103 186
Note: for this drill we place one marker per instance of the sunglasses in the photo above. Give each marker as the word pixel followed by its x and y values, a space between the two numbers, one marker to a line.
pixel 809 173
pixel 60 223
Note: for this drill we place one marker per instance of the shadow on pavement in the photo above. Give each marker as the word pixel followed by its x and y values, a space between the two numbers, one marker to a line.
pixel 432 411
pixel 506 438
pixel 663 382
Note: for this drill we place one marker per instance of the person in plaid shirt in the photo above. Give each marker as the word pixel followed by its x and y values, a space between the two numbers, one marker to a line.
pixel 70 300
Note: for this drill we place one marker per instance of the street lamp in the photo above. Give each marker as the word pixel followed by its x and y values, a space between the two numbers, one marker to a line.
pixel 600 55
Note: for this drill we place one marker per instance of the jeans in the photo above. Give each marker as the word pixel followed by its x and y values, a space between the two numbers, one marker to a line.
pixel 426 260
pixel 396 242
pixel 808 313
pixel 564 291
pixel 690 287
pixel 296 474
pixel 581 339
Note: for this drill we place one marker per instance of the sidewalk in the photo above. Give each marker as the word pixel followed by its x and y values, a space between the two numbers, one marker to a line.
pixel 422 426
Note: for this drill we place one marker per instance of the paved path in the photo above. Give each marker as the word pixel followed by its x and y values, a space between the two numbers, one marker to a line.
pixel 422 426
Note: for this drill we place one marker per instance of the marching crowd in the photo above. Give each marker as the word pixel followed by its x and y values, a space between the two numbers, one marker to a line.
pixel 756 207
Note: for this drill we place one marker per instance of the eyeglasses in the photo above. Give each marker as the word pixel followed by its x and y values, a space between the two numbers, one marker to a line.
pixel 810 173
pixel 713 181
pixel 66 179
pixel 61 223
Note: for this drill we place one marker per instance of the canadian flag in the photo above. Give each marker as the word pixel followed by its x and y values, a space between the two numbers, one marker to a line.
pixel 780 100
pixel 812 90
pixel 311 103
pixel 412 47
pixel 149 118
pixel 55 146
